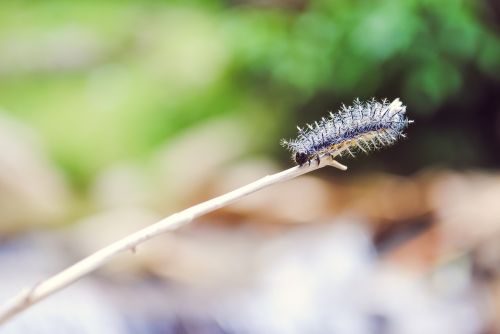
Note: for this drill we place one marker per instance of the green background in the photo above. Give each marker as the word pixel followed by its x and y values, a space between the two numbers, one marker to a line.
pixel 113 81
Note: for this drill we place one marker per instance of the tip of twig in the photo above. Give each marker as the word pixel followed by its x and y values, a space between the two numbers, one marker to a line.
pixel 336 164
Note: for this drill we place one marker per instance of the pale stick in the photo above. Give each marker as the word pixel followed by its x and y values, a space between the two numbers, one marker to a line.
pixel 34 294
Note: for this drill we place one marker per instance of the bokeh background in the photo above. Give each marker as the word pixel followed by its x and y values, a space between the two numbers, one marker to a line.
pixel 115 114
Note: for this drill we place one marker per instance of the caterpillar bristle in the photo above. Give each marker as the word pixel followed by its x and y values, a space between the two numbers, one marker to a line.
pixel 357 127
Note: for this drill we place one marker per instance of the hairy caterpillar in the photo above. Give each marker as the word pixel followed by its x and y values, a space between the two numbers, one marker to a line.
pixel 364 126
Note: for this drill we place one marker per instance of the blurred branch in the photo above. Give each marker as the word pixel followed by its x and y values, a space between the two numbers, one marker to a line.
pixel 41 290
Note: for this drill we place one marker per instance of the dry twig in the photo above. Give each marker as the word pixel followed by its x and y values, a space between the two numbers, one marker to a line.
pixel 41 290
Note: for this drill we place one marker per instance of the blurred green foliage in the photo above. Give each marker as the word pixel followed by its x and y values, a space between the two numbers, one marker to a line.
pixel 104 81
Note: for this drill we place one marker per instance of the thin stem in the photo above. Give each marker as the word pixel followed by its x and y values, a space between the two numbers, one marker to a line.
pixel 36 293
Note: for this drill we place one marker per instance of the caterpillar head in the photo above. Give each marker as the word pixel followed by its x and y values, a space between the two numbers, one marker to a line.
pixel 300 158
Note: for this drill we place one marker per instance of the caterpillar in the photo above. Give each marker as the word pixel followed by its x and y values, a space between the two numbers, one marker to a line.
pixel 362 126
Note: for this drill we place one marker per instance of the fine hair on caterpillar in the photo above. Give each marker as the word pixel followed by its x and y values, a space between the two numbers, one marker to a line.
pixel 363 126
